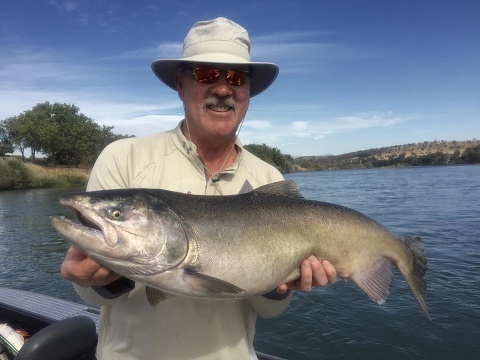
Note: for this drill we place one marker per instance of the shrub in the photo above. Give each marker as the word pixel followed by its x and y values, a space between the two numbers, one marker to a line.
pixel 14 174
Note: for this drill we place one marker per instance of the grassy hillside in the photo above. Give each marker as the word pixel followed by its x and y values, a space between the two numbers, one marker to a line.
pixel 15 174
pixel 425 148
pixel 426 153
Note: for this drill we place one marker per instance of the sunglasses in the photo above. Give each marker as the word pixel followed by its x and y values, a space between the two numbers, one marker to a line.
pixel 211 75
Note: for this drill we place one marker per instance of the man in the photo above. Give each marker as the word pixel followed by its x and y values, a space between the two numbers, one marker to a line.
pixel 215 80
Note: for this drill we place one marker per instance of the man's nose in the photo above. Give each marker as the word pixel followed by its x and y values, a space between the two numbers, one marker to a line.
pixel 222 87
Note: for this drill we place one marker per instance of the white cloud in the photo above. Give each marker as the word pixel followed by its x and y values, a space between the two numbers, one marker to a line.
pixel 300 51
pixel 284 132
pixel 299 125
pixel 167 50
pixel 147 124
pixel 257 124
pixel 32 76
pixel 66 5
pixel 371 119
pixel 285 37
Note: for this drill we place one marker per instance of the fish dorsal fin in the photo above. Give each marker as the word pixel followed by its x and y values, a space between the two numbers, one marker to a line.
pixel 247 187
pixel 285 188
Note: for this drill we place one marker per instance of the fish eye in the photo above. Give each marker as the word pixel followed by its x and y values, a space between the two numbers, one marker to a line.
pixel 115 214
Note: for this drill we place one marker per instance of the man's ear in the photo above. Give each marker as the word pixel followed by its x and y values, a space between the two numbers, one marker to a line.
pixel 179 84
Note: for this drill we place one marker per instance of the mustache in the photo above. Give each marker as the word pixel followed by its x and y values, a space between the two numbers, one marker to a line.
pixel 219 101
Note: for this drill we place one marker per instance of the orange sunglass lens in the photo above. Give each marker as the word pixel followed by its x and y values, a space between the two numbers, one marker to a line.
pixel 208 76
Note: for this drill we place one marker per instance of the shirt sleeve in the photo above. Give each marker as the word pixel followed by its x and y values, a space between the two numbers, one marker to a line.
pixel 111 168
pixel 268 308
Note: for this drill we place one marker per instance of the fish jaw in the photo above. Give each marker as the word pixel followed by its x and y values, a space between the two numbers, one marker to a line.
pixel 91 221
pixel 85 238
pixel 124 233
pixel 92 242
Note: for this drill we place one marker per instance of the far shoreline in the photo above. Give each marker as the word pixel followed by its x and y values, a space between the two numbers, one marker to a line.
pixel 16 175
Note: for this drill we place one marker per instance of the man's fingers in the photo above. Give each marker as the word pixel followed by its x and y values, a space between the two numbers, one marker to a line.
pixel 282 289
pixel 313 272
pixel 330 271
pixel 319 278
pixel 85 271
pixel 306 275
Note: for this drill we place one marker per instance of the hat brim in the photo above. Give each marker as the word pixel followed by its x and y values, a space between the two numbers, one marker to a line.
pixel 263 74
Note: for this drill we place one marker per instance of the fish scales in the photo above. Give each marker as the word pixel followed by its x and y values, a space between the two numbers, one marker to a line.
pixel 287 227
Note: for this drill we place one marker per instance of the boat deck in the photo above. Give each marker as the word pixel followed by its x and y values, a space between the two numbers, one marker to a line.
pixel 36 311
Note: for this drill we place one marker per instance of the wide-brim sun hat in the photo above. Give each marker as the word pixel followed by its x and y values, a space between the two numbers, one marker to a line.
pixel 218 42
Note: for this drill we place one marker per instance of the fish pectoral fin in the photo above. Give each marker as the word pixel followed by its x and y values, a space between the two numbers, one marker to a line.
pixel 376 281
pixel 210 284
pixel 155 296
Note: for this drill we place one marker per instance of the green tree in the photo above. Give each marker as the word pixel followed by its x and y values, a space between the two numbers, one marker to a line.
pixel 471 155
pixel 273 156
pixel 31 129
pixel 71 138
pixel 16 127
pixel 40 128
pixel 60 132
pixel 5 143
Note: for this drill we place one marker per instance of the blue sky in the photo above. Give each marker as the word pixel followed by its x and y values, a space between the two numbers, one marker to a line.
pixel 354 75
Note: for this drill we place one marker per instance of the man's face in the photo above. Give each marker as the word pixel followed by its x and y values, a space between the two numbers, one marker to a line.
pixel 213 110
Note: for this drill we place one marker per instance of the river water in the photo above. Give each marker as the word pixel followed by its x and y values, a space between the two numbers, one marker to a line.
pixel 440 204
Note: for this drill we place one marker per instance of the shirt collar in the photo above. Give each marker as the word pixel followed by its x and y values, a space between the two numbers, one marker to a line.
pixel 189 149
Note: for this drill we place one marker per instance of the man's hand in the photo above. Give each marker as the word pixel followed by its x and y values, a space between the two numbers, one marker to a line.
pixel 84 271
pixel 312 273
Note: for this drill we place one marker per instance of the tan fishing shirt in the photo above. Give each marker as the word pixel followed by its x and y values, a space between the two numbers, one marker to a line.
pixel 180 327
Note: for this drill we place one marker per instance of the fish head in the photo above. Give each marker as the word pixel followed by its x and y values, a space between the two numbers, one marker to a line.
pixel 120 227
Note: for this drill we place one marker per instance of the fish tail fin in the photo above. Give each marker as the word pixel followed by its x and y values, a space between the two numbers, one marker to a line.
pixel 376 280
pixel 414 278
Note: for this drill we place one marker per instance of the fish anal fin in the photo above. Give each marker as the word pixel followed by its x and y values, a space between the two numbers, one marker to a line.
pixel 209 284
pixel 155 296
pixel 376 280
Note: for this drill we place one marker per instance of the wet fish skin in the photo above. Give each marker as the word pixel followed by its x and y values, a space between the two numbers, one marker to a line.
pixel 236 246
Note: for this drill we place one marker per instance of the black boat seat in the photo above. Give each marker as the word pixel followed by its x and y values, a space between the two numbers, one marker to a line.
pixel 73 338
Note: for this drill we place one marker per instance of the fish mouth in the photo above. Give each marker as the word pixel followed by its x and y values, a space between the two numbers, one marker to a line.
pixel 76 233
pixel 90 223
pixel 89 239
pixel 85 221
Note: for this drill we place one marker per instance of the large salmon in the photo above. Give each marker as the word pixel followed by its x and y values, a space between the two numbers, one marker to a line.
pixel 236 246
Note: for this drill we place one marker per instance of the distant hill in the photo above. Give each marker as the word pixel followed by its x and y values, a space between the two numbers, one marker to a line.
pixel 425 153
